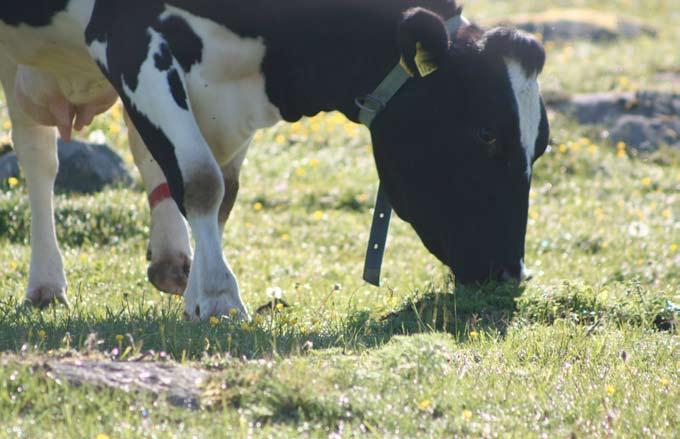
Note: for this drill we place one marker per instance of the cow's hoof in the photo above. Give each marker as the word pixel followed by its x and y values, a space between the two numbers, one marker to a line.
pixel 45 295
pixel 215 306
pixel 170 275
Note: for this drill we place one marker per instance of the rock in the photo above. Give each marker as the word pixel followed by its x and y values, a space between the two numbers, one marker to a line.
pixel 83 168
pixel 645 133
pixel 579 24
pixel 9 167
pixel 596 108
pixel 643 120
pixel 183 386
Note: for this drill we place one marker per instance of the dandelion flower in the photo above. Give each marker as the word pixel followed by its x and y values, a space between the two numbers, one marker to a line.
pixel 214 321
pixel 13 182
pixel 467 415
pixel 610 390
pixel 424 404
pixel 318 215
pixel 646 182
pixel 119 338
pixel 474 334
pixel 274 293
pixel 258 206
pixel 233 312
pixel 42 334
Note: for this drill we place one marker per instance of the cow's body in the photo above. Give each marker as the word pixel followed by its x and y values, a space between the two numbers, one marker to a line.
pixel 198 77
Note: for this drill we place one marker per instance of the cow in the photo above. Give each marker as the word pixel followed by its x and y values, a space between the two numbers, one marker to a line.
pixel 454 147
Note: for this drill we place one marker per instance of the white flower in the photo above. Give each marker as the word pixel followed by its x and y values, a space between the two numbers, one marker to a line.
pixel 638 229
pixel 97 137
pixel 274 293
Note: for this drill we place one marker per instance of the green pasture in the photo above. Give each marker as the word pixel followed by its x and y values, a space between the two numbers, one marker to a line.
pixel 588 347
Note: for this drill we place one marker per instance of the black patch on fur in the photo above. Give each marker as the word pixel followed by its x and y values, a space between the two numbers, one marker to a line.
pixel 163 59
pixel 177 89
pixel 36 13
pixel 185 45
pixel 162 150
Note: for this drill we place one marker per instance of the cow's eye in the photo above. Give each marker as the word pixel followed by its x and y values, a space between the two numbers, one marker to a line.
pixel 487 136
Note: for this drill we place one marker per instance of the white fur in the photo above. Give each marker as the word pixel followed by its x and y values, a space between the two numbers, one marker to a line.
pixel 227 89
pixel 527 94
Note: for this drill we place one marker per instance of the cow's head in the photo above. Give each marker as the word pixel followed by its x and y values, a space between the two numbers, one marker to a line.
pixel 455 147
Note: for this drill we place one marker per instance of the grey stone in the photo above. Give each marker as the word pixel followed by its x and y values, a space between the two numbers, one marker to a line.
pixel 83 168
pixel 643 120
pixel 646 133
pixel 183 386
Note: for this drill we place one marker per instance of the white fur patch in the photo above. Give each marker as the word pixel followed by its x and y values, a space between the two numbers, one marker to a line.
pixel 527 95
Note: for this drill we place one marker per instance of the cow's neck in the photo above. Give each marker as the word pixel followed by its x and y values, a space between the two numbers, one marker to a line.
pixel 346 54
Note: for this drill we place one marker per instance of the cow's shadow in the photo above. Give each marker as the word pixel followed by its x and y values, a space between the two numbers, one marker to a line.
pixel 459 311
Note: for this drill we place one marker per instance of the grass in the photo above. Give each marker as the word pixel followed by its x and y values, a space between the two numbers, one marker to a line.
pixel 586 348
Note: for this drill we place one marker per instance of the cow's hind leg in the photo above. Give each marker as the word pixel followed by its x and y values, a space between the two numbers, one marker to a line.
pixel 36 148
pixel 169 250
pixel 158 104
pixel 230 174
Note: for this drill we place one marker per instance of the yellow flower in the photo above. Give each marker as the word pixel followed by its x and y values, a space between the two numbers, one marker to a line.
pixel 280 139
pixel 258 206
pixel 285 237
pixel 467 414
pixel 313 163
pixel 610 390
pixel 258 319
pixel 13 182
pixel 424 404
pixel 119 338
pixel 233 312
pixel 362 198
pixel 592 149
pixel 674 248
pixel 13 265
pixel 621 153
pixel 562 148
pixel 666 213
pixel 318 215
pixel 300 172
pixel 102 436
pixel 646 181
pixel 214 321
pixel 665 382
pixel 279 306
pixel 474 334
pixel 246 327
pixel 6 125
pixel 621 146
pixel 42 334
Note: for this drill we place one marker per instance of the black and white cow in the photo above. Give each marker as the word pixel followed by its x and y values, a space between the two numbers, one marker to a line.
pixel 454 149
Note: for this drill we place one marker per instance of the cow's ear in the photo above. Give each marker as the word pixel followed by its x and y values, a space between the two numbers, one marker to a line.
pixel 423 41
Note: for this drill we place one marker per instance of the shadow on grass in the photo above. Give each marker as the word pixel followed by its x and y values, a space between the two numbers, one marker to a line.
pixel 136 328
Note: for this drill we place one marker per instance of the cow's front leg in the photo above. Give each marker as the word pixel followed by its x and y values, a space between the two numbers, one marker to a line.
pixel 169 251
pixel 156 98
pixel 36 148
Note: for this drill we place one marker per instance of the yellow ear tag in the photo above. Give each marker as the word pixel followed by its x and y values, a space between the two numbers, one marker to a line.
pixel 426 65
pixel 407 69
